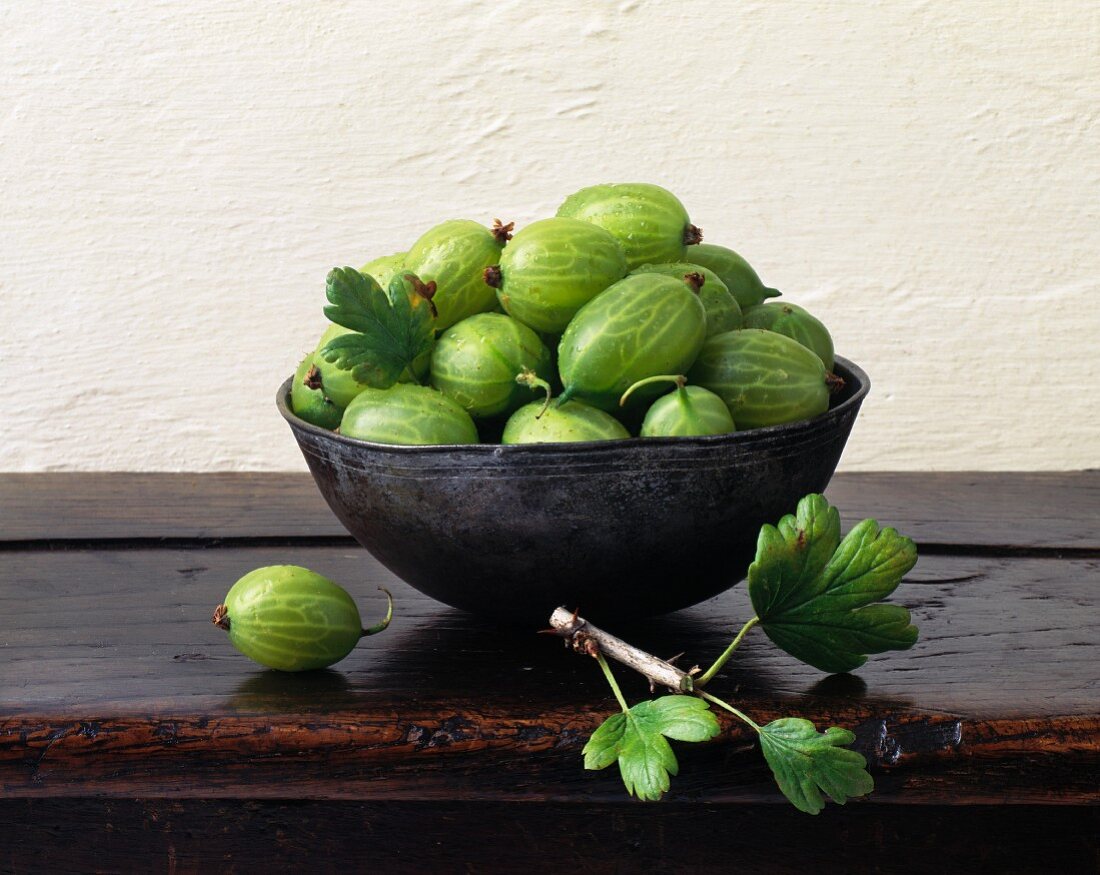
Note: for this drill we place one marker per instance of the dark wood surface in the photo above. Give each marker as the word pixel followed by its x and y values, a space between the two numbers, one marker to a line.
pixel 1056 511
pixel 115 682
pixel 198 836
pixel 114 685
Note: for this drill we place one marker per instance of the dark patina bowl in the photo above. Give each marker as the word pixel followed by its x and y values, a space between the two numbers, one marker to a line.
pixel 616 528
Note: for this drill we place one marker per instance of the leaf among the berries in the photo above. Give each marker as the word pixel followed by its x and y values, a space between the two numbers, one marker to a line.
pixel 390 330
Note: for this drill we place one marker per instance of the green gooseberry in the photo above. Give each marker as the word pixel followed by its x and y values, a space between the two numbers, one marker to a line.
pixel 308 399
pixel 292 619
pixel 765 378
pixel 337 383
pixel 407 414
pixel 649 221
pixel 552 268
pixel 723 311
pixel 735 272
pixel 689 411
pixel 797 324
pixel 475 363
pixel 541 423
pixel 643 325
pixel 454 256
pixel 384 269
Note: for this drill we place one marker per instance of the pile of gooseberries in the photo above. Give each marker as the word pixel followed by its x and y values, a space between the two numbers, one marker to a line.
pixel 610 319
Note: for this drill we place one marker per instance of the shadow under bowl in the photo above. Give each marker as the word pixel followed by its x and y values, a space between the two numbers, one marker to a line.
pixel 617 528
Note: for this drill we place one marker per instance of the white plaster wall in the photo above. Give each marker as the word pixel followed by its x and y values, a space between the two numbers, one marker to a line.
pixel 177 178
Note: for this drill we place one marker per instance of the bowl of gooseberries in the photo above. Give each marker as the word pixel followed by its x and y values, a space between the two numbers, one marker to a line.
pixel 596 410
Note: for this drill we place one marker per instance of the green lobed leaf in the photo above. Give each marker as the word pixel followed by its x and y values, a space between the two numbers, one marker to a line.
pixel 390 328
pixel 816 595
pixel 637 740
pixel 806 763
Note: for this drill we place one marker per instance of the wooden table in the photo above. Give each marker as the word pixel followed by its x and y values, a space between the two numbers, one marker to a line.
pixel 134 738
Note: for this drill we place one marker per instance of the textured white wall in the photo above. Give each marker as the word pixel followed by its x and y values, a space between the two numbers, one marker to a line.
pixel 177 178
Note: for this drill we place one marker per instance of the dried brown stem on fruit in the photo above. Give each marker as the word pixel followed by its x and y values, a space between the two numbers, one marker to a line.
pixel 693 234
pixel 834 383
pixel 492 276
pixel 425 290
pixel 502 232
pixel 221 617
pixel 695 280
pixel 313 378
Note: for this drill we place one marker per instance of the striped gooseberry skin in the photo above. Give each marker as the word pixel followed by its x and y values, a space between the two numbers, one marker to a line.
pixel 385 268
pixel 475 364
pixel 687 411
pixel 553 267
pixel 644 325
pixel 572 421
pixel 735 272
pixel 764 378
pixel 292 619
pixel 454 255
pixel 797 324
pixel 649 221
pixel 407 414
pixel 723 311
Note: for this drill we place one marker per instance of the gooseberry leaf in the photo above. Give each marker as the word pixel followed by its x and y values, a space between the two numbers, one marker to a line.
pixel 637 740
pixel 817 596
pixel 806 763
pixel 389 330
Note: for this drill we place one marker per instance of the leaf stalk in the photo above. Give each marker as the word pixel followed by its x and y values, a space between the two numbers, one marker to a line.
pixel 706 676
pixel 611 680
pixel 741 715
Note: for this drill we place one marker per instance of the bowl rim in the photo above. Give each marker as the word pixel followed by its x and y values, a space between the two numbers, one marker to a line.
pixel 846 368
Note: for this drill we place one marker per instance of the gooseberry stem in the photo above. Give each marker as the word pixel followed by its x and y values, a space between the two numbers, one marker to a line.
pixel 611 680
pixel 679 379
pixel 695 281
pixel 529 378
pixel 492 276
pixel 424 291
pixel 728 707
pixel 385 621
pixel 313 378
pixel 702 680
pixel 502 231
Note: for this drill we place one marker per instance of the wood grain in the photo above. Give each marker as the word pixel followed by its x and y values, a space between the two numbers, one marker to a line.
pixel 1047 511
pixel 133 738
pixel 115 683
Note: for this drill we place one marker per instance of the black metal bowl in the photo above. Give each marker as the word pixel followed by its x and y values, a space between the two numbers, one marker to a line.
pixel 624 528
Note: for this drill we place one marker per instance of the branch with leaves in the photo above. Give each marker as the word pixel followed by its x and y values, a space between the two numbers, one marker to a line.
pixel 817 597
